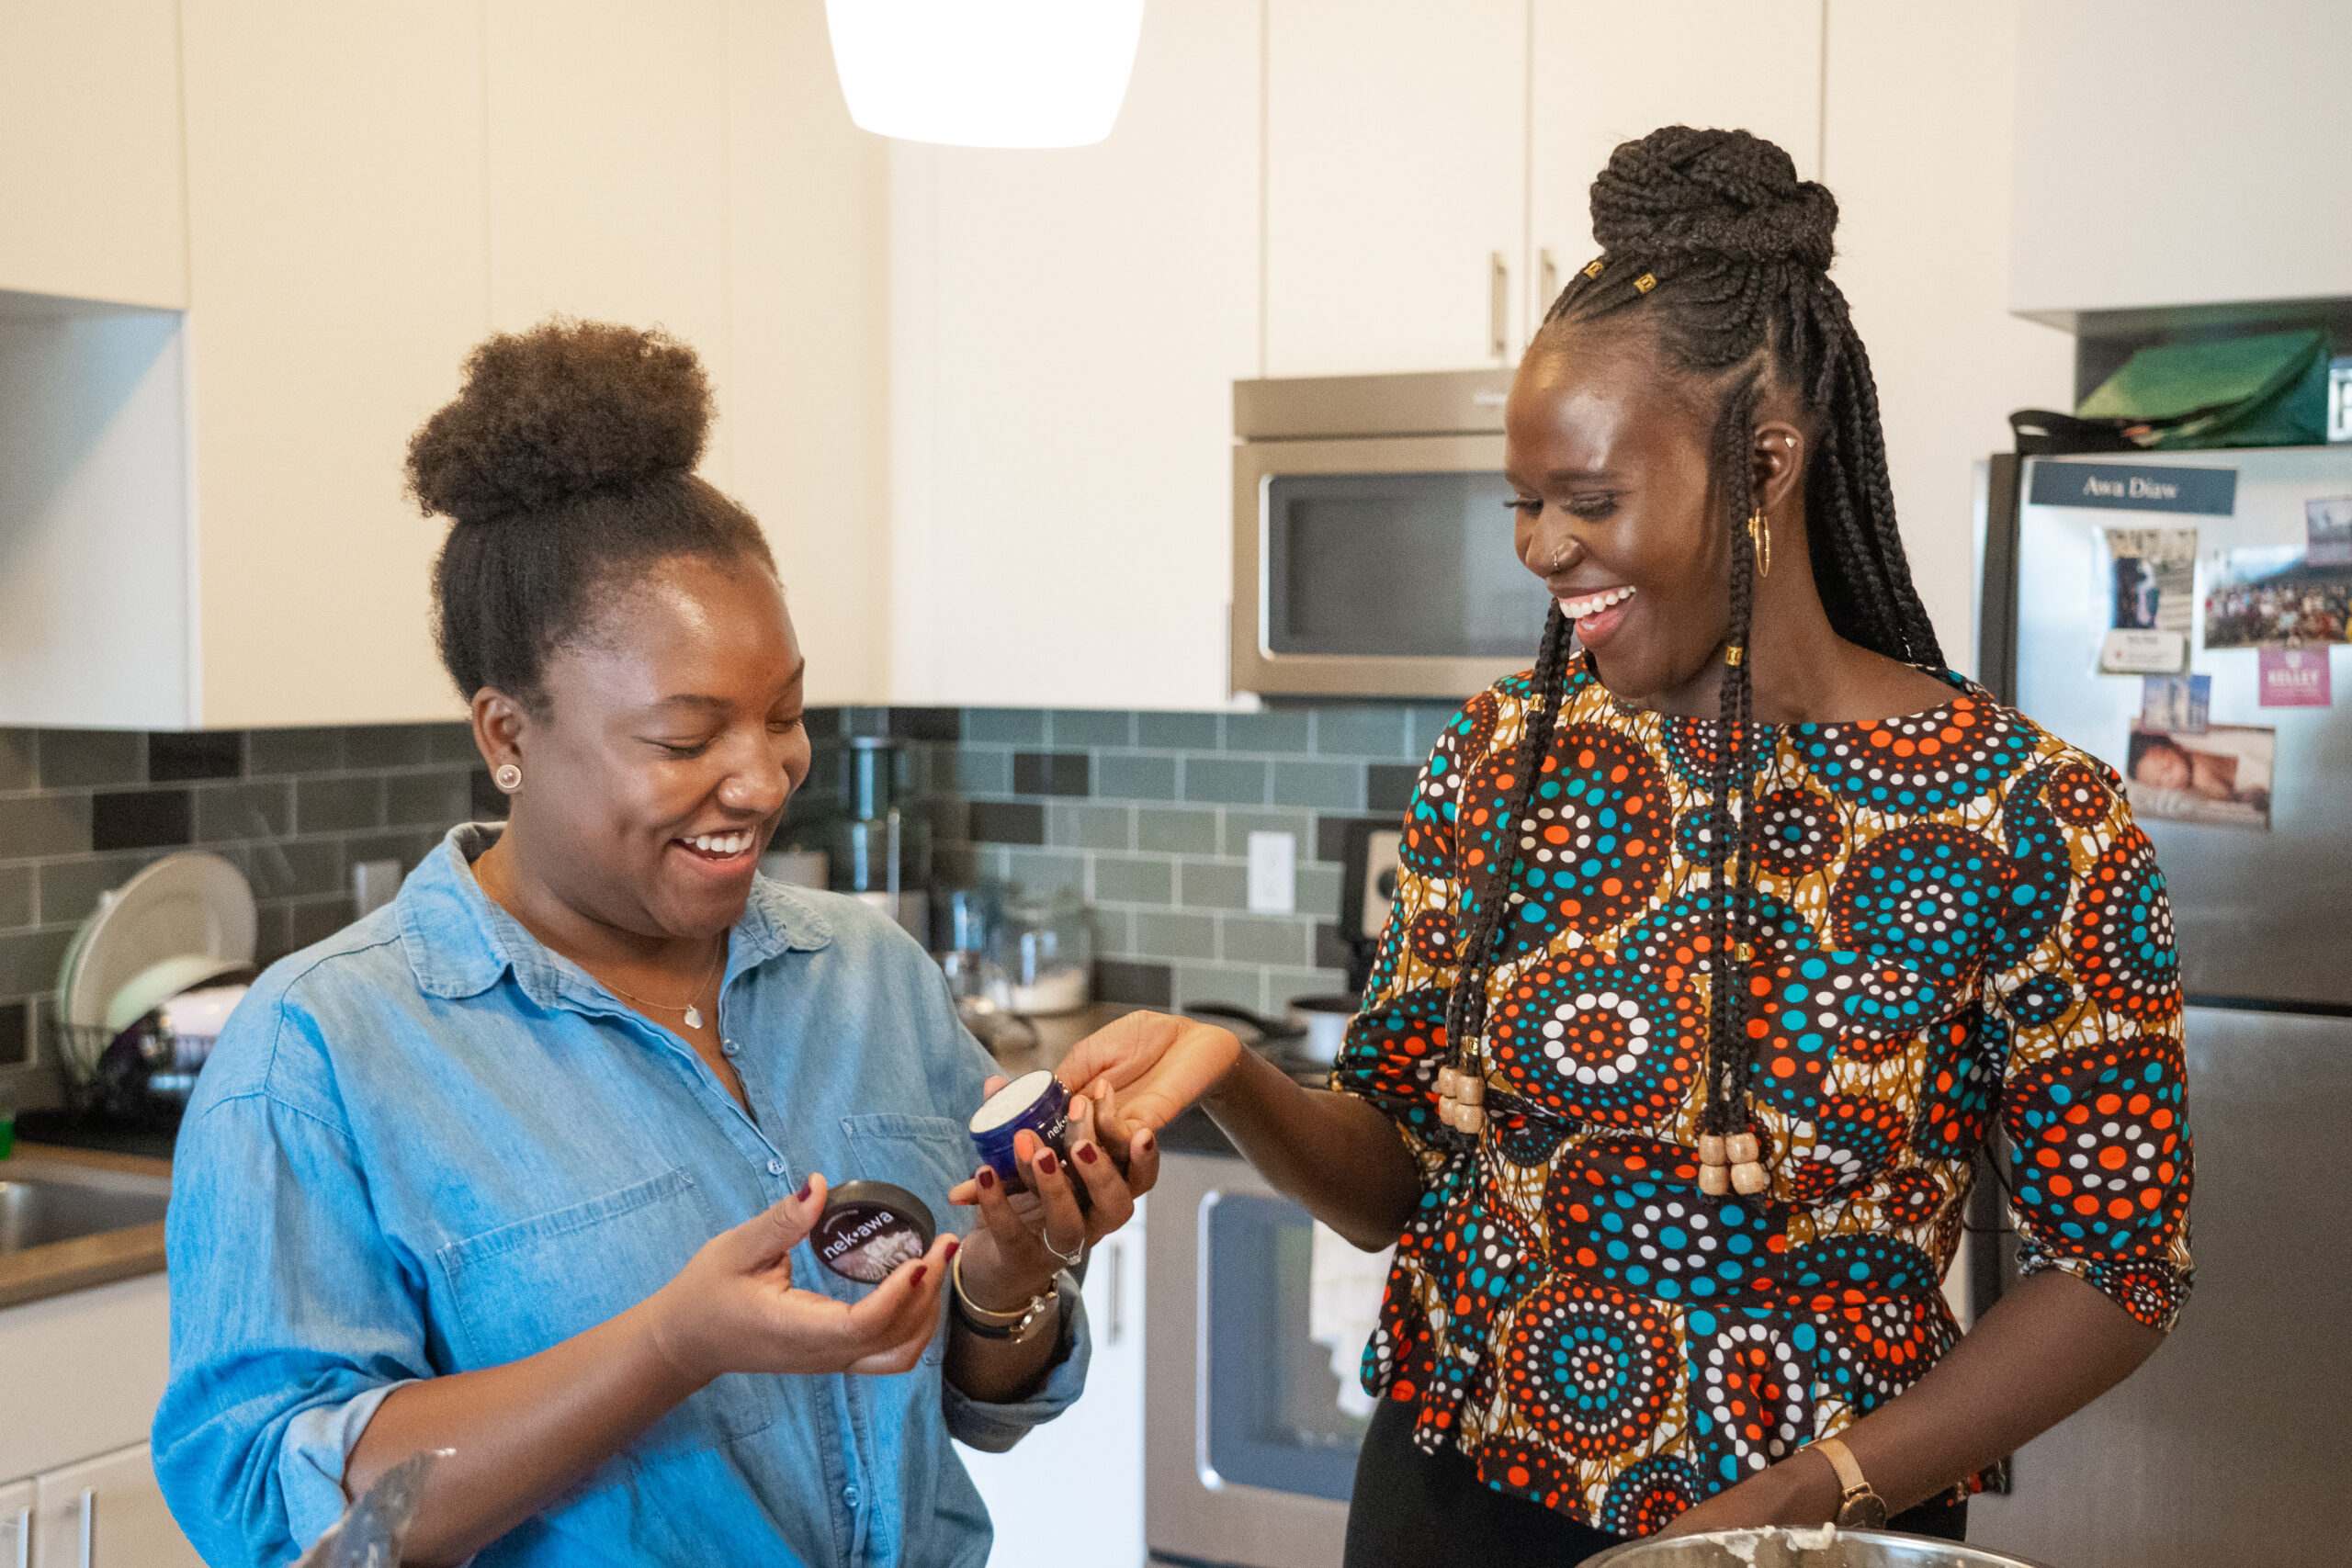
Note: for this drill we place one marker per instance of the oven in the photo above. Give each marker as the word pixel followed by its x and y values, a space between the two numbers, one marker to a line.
pixel 1371 542
pixel 1251 1426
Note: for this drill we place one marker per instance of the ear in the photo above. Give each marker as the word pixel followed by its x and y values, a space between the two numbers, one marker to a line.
pixel 1777 463
pixel 500 726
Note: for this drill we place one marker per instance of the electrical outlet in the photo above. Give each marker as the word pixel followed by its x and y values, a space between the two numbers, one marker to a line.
pixel 374 884
pixel 1273 873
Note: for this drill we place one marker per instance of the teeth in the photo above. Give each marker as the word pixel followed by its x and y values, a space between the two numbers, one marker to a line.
pixel 1593 603
pixel 720 843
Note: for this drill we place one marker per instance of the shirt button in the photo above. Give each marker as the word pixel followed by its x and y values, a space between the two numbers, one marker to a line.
pixel 776 1168
pixel 730 1048
pixel 849 1496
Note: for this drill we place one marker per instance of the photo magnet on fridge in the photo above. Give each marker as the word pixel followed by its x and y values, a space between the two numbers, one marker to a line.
pixel 2177 704
pixel 2221 777
pixel 2151 600
pixel 2276 594
pixel 2327 530
pixel 2293 678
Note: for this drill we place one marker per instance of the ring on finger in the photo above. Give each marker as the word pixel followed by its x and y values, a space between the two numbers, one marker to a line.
pixel 1068 1259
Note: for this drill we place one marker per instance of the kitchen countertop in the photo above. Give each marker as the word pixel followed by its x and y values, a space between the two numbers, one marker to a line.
pixel 61 1268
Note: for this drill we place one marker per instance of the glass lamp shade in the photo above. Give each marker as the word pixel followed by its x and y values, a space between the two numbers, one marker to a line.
pixel 986 72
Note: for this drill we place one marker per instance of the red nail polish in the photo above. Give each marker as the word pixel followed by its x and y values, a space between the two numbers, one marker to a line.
pixel 916 1278
pixel 1046 1163
pixel 806 1187
pixel 1143 1140
pixel 952 1247
pixel 1086 1153
pixel 988 1176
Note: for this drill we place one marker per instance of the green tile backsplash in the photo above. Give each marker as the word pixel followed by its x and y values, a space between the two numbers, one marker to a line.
pixel 1145 815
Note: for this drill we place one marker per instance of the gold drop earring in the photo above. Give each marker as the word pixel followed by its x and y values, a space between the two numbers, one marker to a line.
pixel 1759 536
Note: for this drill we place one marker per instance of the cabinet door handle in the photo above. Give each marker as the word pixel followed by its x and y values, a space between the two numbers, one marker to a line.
pixel 24 1538
pixel 89 1523
pixel 1547 282
pixel 1118 1292
pixel 1498 302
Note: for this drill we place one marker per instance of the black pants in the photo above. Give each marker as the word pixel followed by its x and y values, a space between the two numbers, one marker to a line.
pixel 1418 1510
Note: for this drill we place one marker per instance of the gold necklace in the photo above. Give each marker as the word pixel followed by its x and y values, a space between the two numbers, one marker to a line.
pixel 693 1013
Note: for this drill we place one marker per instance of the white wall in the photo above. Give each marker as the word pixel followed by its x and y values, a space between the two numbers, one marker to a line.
pixel 1917 138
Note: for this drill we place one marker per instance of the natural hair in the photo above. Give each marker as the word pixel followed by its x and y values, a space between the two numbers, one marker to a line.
pixel 1711 244
pixel 566 460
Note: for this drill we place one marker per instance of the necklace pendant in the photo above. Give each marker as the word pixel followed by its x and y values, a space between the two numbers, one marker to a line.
pixel 694 1018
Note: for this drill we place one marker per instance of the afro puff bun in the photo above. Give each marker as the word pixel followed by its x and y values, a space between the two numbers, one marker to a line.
pixel 567 464
pixel 567 407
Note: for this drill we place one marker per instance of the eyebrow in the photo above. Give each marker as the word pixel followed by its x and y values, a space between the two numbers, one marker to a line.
pixel 718 704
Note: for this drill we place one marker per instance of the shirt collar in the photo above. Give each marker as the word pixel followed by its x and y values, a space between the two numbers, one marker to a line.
pixel 459 943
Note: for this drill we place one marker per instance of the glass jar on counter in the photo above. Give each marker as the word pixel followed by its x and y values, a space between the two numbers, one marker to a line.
pixel 1043 956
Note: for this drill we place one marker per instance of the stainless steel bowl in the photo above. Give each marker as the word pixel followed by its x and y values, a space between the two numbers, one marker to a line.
pixel 1822 1548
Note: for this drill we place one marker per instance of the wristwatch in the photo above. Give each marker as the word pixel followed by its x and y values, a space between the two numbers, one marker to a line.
pixel 1859 1507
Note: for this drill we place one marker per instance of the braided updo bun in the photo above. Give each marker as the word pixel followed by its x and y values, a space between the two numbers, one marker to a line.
pixel 565 463
pixel 1679 193
pixel 1714 270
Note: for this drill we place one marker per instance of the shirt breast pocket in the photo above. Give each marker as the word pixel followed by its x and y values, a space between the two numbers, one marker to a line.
pixel 925 1155
pixel 522 1288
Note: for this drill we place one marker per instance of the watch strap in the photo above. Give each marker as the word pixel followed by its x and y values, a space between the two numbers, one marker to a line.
pixel 1858 1505
pixel 988 1324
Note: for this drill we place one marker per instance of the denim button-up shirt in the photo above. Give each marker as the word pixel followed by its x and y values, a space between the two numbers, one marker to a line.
pixel 429 1144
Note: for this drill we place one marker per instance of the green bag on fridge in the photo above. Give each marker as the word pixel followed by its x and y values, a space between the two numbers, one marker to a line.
pixel 2251 391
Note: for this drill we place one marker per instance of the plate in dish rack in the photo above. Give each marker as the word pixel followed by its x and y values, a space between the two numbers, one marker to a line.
pixel 187 904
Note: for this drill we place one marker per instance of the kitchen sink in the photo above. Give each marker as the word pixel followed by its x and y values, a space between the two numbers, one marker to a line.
pixel 44 1201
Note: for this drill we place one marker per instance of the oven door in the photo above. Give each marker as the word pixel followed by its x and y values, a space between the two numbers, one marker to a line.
pixel 1251 1433
pixel 1378 568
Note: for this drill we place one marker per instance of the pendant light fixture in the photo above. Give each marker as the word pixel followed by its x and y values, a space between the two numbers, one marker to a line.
pixel 986 72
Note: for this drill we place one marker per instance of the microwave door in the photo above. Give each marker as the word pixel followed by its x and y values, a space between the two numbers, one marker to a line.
pixel 1380 567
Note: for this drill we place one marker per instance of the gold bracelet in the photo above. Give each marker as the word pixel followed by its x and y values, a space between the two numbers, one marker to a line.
pixel 1020 1315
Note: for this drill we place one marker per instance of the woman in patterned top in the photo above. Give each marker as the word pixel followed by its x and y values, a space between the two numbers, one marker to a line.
pixel 1743 861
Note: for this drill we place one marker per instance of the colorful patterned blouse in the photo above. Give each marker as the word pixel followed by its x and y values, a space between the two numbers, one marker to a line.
pixel 1957 920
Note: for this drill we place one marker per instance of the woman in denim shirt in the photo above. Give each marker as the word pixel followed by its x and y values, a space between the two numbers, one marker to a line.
pixel 520 1164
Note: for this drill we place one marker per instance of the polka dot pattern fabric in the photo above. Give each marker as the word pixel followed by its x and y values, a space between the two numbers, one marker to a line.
pixel 1956 929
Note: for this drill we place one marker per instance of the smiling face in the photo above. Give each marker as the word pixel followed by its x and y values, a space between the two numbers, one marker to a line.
pixel 1608 460
pixel 670 740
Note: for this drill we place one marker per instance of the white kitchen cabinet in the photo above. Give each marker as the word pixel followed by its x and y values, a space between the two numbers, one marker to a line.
pixel 1395 185
pixel 84 1373
pixel 1066 328
pixel 1072 1490
pixel 337 275
pixel 17 1501
pixel 202 519
pixel 1602 74
pixel 91 202
pixel 607 168
pixel 108 1513
pixel 2233 186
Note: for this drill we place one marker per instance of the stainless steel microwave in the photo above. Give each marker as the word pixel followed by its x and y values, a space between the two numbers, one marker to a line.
pixel 1372 538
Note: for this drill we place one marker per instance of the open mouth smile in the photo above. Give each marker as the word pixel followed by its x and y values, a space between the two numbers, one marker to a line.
pixel 720 850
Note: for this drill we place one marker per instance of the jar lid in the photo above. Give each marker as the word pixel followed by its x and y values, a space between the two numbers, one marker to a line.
pixel 869 1228
pixel 1009 1103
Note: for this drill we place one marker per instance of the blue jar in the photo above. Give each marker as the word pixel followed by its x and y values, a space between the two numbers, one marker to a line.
pixel 1035 1103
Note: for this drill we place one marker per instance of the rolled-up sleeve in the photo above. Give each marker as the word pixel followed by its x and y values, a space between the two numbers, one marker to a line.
pixel 2094 1084
pixel 292 1318
pixel 994 1429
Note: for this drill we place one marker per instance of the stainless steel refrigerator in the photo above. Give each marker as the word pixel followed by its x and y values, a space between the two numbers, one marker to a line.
pixel 2233 1445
